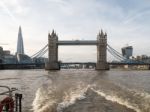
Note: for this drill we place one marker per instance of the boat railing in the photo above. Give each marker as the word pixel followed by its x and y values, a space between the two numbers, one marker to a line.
pixel 16 99
pixel 8 92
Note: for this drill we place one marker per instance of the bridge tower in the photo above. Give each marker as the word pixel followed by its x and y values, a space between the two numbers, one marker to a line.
pixel 102 52
pixel 52 63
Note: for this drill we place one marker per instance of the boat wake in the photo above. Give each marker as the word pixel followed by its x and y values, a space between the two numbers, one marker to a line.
pixel 52 100
pixel 71 98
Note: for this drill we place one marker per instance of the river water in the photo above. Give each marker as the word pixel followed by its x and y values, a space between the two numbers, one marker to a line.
pixel 81 90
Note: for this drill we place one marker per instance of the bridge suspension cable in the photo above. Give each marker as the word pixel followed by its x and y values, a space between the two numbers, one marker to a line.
pixel 115 53
pixel 42 53
pixel 37 54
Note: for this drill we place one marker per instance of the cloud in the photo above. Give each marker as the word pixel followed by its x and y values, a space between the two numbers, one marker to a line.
pixel 5 8
pixel 137 15
pixel 124 21
pixel 12 5
pixel 57 1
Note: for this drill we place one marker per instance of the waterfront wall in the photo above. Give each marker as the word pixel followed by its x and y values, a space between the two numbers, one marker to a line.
pixel 21 66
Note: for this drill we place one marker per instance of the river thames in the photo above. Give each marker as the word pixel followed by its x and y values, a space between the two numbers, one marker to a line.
pixel 80 90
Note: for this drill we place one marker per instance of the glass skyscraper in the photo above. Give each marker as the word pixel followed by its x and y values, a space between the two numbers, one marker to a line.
pixel 20 46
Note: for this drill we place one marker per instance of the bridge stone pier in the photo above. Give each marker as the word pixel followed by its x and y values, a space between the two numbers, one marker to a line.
pixel 102 52
pixel 52 63
pixel 53 43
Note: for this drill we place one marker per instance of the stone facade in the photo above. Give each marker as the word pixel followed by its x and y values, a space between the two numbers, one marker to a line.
pixel 52 63
pixel 102 52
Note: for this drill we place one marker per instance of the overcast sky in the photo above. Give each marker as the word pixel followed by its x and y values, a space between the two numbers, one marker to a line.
pixel 125 21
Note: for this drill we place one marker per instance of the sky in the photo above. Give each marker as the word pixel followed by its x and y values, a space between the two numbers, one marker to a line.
pixel 127 22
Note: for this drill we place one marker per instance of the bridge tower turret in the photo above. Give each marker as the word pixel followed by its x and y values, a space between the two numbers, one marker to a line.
pixel 102 51
pixel 52 63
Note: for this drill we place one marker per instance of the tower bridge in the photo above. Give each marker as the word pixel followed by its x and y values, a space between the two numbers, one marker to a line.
pixel 53 43
pixel 102 48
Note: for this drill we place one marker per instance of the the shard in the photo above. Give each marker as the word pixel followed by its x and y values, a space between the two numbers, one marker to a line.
pixel 20 46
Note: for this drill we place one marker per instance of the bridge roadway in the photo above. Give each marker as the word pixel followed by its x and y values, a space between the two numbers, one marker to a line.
pixel 110 63
pixel 42 65
pixel 77 42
